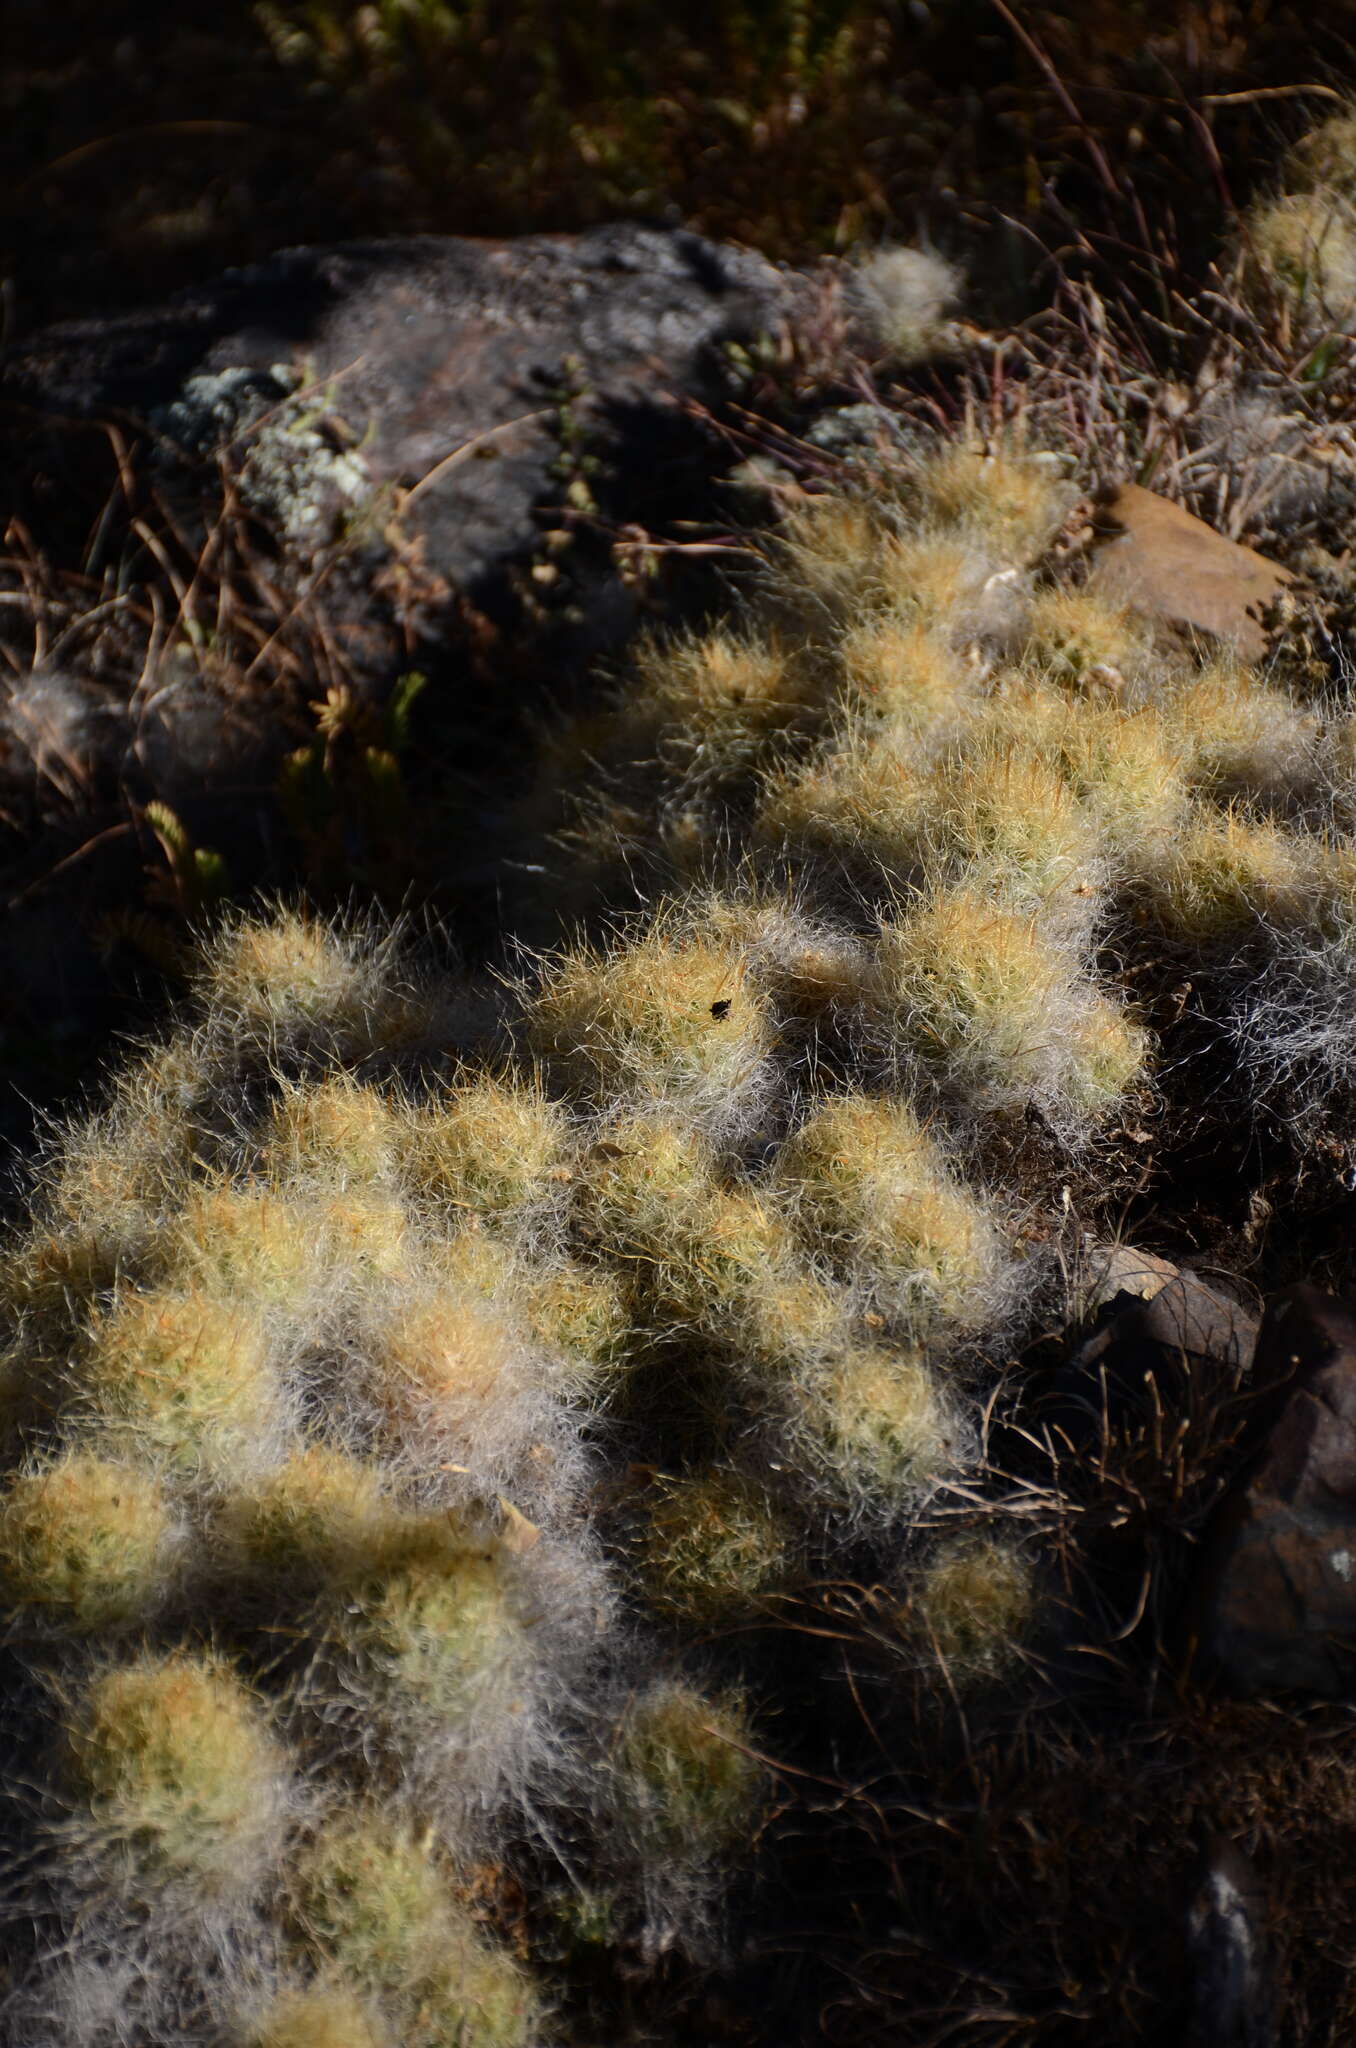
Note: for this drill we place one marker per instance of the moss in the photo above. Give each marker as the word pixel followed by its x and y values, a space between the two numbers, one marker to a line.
pixel 1324 160
pixel 473 1996
pixel 1005 817
pixel 698 1252
pixel 242 1244
pixel 898 671
pixel 863 806
pixel 1303 247
pixel 831 550
pixel 939 578
pixel 1127 764
pixel 367 1895
pixel 288 972
pixel 1238 735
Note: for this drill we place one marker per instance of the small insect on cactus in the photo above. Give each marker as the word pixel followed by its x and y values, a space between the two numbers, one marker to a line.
pixel 670 1019
pixel 177 1790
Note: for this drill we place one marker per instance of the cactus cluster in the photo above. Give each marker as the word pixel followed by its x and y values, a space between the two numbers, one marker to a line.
pixel 414 1381
pixel 313 1334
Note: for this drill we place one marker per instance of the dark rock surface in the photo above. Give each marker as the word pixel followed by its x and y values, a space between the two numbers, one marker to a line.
pixel 434 363
pixel 1275 1605
pixel 290 486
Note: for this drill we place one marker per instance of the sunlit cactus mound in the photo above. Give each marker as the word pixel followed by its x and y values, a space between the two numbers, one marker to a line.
pixel 442 1415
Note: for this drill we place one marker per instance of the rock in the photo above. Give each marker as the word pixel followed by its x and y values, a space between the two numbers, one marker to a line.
pixel 1233 1993
pixel 413 424
pixel 1166 562
pixel 1274 1608
pixel 436 365
pixel 1147 1334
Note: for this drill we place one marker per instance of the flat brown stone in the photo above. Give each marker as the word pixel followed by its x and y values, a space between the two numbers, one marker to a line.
pixel 1168 563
